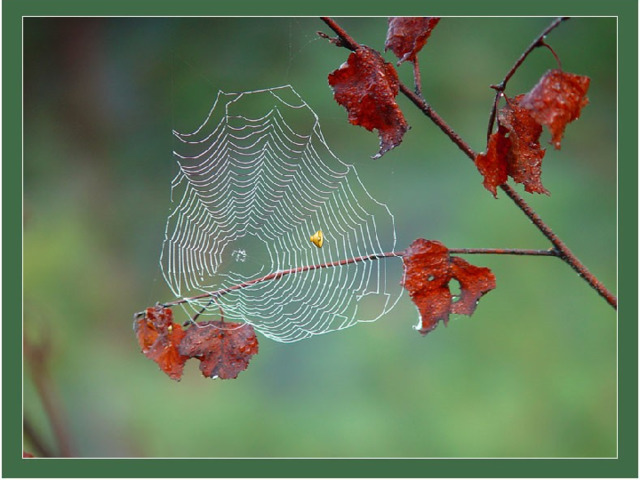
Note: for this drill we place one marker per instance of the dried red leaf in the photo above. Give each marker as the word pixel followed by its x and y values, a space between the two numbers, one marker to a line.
pixel 428 269
pixel 426 278
pixel 159 339
pixel 367 86
pixel 474 283
pixel 27 455
pixel 524 160
pixel 493 164
pixel 223 348
pixel 556 100
pixel 407 35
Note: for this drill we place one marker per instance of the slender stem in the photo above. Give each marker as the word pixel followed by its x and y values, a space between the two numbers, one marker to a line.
pixel 348 261
pixel 539 41
pixel 417 80
pixel 500 87
pixel 553 52
pixel 345 40
pixel 428 110
pixel 492 115
pixel 282 273
pixel 505 251
pixel 563 251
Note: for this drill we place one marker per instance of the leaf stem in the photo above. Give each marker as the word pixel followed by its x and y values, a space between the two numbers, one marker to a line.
pixel 417 80
pixel 553 52
pixel 563 251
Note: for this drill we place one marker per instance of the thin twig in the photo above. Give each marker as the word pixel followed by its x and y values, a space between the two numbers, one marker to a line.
pixel 376 256
pixel 417 80
pixel 345 40
pixel 492 115
pixel 500 87
pixel 553 52
pixel 422 104
pixel 551 252
pixel 193 319
pixel 282 273
pixel 539 41
pixel 563 251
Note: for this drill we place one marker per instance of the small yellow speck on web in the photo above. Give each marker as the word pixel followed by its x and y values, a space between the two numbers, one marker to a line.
pixel 317 239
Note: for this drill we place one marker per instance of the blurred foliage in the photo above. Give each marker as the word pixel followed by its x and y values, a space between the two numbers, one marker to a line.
pixel 531 374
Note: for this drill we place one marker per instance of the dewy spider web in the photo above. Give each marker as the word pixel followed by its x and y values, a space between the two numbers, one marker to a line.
pixel 255 180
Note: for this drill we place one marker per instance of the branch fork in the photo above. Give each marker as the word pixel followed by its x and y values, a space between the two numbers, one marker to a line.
pixel 559 248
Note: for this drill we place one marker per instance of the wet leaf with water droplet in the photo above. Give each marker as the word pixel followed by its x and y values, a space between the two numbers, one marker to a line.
pixel 367 86
pixel 428 271
pixel 223 348
pixel 556 100
pixel 514 149
pixel 407 35
pixel 159 339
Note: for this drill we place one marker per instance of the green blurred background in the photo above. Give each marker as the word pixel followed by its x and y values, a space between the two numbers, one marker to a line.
pixel 531 374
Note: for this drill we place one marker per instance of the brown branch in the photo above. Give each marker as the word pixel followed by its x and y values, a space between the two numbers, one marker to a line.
pixel 563 251
pixel 344 39
pixel 422 104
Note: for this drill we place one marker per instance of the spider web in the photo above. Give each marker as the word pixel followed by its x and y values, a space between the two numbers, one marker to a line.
pixel 255 180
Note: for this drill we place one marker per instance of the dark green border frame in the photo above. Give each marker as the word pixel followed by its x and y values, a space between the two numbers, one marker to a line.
pixel 626 465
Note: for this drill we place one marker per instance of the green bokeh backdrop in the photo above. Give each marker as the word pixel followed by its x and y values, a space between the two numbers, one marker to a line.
pixel 531 374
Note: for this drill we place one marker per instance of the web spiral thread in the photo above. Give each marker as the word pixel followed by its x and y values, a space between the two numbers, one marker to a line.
pixel 255 181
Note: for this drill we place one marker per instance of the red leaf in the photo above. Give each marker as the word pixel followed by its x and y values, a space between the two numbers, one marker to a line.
pixel 159 339
pixel 428 269
pixel 426 278
pixel 524 161
pixel 493 164
pixel 407 35
pixel 223 348
pixel 556 100
pixel 366 86
pixel 27 455
pixel 474 283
